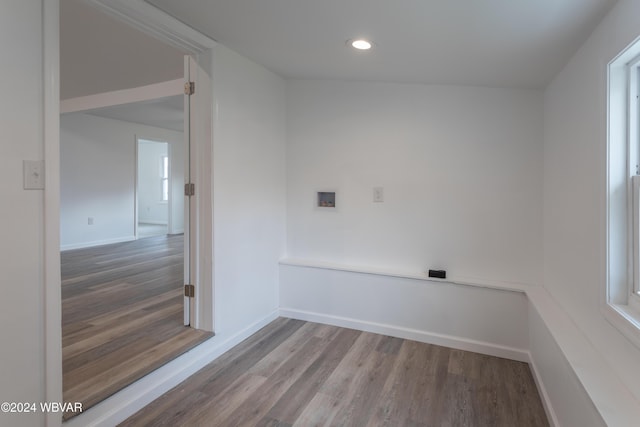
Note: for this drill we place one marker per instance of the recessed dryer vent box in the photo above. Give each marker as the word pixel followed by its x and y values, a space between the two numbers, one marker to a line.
pixel 326 199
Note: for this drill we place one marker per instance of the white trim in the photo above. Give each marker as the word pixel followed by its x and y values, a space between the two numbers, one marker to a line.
pixel 124 96
pixel 625 319
pixel 479 283
pixel 466 344
pixel 136 183
pixel 635 229
pixel 633 123
pixel 632 85
pixel 546 400
pixel 634 304
pixel 128 401
pixel 93 243
pixel 156 23
pixel 51 250
pixel 151 222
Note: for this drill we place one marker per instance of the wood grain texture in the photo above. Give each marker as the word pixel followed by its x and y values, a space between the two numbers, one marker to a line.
pixel 294 373
pixel 121 315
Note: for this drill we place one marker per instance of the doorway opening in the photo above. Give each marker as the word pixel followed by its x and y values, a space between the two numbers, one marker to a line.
pixel 122 286
pixel 154 197
pixel 140 15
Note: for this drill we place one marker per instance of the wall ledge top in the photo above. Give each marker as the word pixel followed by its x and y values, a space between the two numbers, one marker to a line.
pixel 414 275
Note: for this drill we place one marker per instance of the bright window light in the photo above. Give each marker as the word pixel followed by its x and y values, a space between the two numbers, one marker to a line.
pixel 164 177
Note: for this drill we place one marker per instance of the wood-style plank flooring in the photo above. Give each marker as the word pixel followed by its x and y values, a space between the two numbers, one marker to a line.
pixel 122 315
pixel 295 373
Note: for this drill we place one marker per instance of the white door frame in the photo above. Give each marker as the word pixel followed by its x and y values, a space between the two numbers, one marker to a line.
pixel 150 20
pixel 52 277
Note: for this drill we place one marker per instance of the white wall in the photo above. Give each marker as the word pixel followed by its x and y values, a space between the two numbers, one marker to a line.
pixel 574 184
pixel 22 309
pixel 97 158
pixel 249 189
pixel 151 208
pixel 461 171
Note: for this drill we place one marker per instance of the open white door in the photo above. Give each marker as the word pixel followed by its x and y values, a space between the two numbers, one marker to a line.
pixel 198 113
pixel 189 195
pixel 199 206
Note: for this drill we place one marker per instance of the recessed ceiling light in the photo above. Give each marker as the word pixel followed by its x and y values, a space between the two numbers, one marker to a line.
pixel 360 44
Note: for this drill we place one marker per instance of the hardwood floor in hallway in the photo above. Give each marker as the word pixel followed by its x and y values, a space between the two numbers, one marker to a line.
pixel 295 373
pixel 122 315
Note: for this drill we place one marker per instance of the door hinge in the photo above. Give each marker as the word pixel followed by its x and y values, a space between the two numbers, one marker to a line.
pixel 189 88
pixel 189 189
pixel 189 291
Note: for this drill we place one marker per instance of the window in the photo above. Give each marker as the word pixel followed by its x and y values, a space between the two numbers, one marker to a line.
pixel 634 152
pixel 622 293
pixel 164 177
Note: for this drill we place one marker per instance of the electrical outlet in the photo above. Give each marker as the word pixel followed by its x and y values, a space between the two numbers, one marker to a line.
pixel 439 274
pixel 90 220
pixel 378 194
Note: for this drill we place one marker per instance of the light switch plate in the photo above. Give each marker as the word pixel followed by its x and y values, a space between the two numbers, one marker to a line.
pixel 378 194
pixel 33 171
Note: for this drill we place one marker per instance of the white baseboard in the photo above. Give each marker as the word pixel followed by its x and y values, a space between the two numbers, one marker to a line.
pixel 459 343
pixel 82 245
pixel 546 400
pixel 131 399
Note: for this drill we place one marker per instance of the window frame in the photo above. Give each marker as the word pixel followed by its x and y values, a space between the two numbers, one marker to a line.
pixel 634 299
pixel 633 124
pixel 622 282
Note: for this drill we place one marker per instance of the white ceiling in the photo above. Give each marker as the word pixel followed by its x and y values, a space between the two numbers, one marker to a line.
pixel 502 43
